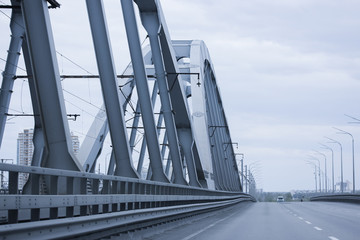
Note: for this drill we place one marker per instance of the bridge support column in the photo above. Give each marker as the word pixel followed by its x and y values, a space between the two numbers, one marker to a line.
pixel 48 88
pixel 109 86
pixel 143 91
pixel 17 34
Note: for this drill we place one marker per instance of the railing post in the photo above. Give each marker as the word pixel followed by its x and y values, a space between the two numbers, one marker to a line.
pixel 35 190
pixel 69 191
pixel 13 189
pixel 54 191
pixel 115 190
pixel 83 186
pixel 95 190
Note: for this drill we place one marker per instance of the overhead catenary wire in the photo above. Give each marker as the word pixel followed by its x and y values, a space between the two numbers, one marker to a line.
pixel 129 101
pixel 74 95
pixel 12 64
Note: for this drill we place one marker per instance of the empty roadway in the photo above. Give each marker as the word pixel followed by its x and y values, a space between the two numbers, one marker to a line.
pixel 295 220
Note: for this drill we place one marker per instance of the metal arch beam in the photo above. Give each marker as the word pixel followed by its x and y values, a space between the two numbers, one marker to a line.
pixel 48 88
pixel 225 158
pixel 214 113
pixel 109 86
pixel 143 91
pixel 209 116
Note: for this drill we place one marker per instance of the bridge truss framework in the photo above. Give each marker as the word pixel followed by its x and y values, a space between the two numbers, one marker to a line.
pixel 178 115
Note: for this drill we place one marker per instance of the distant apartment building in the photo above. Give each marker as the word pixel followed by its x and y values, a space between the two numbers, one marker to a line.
pixel 25 150
pixel 75 143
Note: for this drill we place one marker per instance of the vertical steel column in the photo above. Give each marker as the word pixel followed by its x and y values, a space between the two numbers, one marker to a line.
pixel 151 24
pixel 17 34
pixel 109 86
pixel 135 125
pixel 38 139
pixel 143 144
pixel 48 87
pixel 158 126
pixel 186 143
pixel 40 152
pixel 143 91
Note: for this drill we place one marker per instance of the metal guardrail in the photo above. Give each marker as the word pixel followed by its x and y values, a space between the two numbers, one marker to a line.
pixel 97 226
pixel 353 198
pixel 88 194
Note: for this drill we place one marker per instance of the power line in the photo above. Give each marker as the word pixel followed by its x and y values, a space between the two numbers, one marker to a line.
pixel 72 94
pixel 12 64
pixel 62 55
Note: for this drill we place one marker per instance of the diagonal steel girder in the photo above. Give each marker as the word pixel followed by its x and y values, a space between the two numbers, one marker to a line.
pixel 176 114
pixel 143 91
pixel 109 86
pixel 47 86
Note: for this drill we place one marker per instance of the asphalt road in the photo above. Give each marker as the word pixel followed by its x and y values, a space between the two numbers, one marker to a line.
pixel 296 220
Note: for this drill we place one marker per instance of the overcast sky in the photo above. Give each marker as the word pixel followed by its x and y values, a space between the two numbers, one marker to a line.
pixel 288 71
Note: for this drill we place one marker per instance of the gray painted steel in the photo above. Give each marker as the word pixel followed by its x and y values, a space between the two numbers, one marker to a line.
pixel 151 23
pixel 143 91
pixel 187 125
pixel 354 198
pixel 110 90
pixel 17 34
pixel 47 83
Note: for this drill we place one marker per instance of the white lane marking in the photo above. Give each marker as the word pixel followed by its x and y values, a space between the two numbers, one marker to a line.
pixel 300 218
pixel 308 222
pixel 317 228
pixel 333 238
pixel 204 229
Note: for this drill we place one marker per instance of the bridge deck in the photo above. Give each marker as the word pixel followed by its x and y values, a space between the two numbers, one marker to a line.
pixel 306 220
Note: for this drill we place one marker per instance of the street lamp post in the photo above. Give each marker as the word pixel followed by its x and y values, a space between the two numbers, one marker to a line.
pixel 315 173
pixel 341 163
pixel 353 154
pixel 332 165
pixel 316 159
pixel 326 187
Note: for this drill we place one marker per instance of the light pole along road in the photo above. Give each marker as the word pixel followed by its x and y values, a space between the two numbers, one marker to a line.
pixel 353 154
pixel 341 163
pixel 315 173
pixel 326 186
pixel 316 159
pixel 332 165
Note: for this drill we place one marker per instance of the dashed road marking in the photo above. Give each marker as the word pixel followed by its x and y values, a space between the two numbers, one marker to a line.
pixel 308 222
pixel 317 228
pixel 333 238
pixel 300 218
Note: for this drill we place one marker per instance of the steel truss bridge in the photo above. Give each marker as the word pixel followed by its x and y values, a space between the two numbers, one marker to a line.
pixel 178 116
